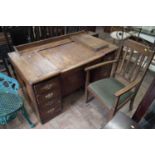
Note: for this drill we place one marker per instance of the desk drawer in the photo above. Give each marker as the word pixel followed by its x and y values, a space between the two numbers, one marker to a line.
pixel 50 104
pixel 48 114
pixel 48 85
pixel 49 96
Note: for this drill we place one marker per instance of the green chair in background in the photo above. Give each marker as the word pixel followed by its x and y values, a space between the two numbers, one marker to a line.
pixel 10 101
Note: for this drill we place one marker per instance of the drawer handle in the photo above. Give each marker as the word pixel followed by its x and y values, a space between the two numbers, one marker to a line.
pixel 52 102
pixel 50 95
pixel 49 103
pixel 51 110
pixel 47 87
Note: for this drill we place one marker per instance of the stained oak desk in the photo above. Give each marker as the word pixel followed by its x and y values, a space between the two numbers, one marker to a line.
pixel 51 69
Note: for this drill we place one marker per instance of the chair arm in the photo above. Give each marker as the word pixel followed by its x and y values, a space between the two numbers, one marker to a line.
pixel 100 65
pixel 127 88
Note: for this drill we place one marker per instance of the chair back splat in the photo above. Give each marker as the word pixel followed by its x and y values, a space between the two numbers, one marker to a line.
pixel 135 61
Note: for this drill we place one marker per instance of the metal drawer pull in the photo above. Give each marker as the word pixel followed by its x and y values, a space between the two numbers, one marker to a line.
pixel 48 96
pixel 49 103
pixel 51 110
pixel 47 87
pixel 52 102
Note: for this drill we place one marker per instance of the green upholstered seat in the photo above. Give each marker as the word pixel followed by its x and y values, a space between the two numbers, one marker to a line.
pixel 106 88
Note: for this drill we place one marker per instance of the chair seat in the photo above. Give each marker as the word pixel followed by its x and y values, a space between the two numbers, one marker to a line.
pixel 9 105
pixel 105 90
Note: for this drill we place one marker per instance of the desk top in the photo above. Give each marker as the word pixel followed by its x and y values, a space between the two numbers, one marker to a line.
pixel 42 59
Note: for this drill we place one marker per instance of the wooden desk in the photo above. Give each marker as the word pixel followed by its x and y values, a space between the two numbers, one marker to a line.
pixel 53 68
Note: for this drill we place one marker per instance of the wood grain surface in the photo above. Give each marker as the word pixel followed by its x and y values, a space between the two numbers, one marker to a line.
pixel 90 41
pixel 42 61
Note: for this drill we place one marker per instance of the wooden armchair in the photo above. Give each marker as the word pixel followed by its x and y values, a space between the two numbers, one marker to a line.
pixel 131 69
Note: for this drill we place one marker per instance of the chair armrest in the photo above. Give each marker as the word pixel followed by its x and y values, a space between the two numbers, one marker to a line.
pixel 100 65
pixel 127 88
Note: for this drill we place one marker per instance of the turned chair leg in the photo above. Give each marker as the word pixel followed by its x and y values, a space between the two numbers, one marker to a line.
pixel 24 112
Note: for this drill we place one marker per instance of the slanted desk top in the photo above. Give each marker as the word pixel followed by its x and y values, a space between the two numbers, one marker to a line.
pixel 40 60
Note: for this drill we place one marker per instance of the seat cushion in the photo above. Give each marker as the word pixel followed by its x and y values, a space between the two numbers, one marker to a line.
pixel 105 90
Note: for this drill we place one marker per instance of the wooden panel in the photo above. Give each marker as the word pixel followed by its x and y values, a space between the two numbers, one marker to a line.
pixel 33 67
pixel 72 81
pixel 48 85
pixel 37 44
pixel 134 45
pixel 90 42
pixel 50 104
pixel 51 95
pixel 69 55
pixel 50 113
pixel 45 46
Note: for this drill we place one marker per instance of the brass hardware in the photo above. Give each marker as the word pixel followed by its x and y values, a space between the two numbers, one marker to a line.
pixel 50 95
pixel 49 103
pixel 132 126
pixel 47 87
pixel 51 110
pixel 145 50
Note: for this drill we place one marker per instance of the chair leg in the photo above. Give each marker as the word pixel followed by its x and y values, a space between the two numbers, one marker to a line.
pixel 131 103
pixel 86 95
pixel 27 117
pixel 111 114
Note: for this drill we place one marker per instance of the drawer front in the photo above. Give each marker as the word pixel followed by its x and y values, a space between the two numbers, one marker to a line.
pixel 50 104
pixel 47 86
pixel 46 115
pixel 49 96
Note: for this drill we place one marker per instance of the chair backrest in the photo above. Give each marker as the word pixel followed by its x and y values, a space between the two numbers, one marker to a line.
pixel 8 84
pixel 135 60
